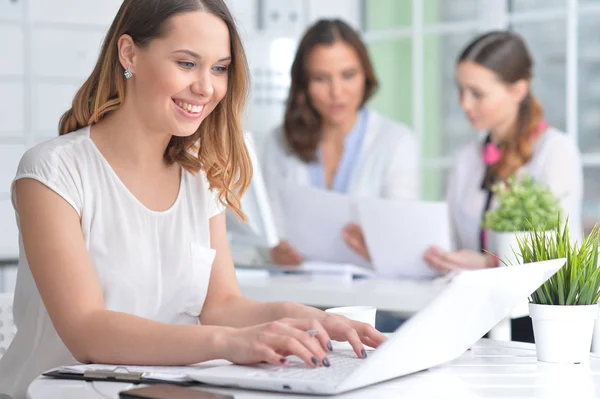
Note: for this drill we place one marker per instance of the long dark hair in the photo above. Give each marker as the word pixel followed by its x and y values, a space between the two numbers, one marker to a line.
pixel 505 53
pixel 302 125
pixel 222 153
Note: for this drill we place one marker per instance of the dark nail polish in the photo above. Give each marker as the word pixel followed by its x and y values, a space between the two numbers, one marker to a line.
pixel 363 353
pixel 283 360
pixel 314 360
pixel 326 362
pixel 329 346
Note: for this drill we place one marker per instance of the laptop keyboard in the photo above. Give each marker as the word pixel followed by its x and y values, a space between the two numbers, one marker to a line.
pixel 343 363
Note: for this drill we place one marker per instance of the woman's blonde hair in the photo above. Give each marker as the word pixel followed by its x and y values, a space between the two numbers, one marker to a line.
pixel 218 146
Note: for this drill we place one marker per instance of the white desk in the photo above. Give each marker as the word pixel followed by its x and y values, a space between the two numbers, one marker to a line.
pixel 399 296
pixel 404 297
pixel 492 369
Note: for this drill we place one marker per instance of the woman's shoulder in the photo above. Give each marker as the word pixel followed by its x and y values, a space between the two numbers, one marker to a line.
pixel 384 123
pixel 203 192
pixel 468 155
pixel 57 163
pixel 555 140
pixel 391 134
pixel 62 150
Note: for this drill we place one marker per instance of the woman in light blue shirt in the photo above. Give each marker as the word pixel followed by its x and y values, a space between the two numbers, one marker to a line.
pixel 329 139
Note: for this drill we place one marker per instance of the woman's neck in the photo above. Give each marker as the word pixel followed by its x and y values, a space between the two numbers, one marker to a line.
pixel 337 132
pixel 502 131
pixel 127 138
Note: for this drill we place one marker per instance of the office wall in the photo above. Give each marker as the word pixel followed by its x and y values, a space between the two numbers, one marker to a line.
pixel 48 47
pixel 394 61
pixel 562 36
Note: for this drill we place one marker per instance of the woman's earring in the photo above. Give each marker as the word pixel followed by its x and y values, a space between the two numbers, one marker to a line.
pixel 127 73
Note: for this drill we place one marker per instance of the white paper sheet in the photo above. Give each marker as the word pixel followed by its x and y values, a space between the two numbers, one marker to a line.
pixel 164 373
pixel 399 232
pixel 328 268
pixel 314 222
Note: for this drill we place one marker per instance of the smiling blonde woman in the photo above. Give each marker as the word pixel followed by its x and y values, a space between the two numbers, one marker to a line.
pixel 124 256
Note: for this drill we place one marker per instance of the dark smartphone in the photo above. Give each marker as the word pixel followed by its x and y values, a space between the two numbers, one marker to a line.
pixel 166 391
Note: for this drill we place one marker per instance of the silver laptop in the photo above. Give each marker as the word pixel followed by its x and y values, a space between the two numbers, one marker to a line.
pixel 472 303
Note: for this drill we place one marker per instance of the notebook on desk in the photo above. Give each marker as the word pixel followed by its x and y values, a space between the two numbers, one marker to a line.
pixel 178 375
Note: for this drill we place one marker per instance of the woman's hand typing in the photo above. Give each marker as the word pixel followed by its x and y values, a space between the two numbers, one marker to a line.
pixel 308 339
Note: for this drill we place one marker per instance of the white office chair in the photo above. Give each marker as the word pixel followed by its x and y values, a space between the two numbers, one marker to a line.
pixel 7 325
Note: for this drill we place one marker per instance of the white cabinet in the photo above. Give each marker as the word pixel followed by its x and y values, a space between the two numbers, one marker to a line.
pixel 11 49
pixel 282 17
pixel 348 10
pixel 65 53
pixel 270 61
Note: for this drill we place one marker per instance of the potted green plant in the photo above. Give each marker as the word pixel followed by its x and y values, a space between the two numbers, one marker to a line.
pixel 521 205
pixel 564 309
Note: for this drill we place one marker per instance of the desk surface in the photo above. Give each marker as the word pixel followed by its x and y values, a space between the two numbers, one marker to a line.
pixel 405 297
pixel 491 369
pixel 393 295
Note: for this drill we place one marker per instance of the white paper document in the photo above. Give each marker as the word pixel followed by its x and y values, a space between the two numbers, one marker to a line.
pixel 398 233
pixel 314 222
pixel 164 373
pixel 328 268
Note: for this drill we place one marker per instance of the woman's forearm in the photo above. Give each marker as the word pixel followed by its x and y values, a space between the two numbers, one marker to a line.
pixel 243 312
pixel 120 338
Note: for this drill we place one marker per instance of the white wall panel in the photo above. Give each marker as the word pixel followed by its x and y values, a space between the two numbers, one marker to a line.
pixel 11 108
pixel 11 50
pixel 9 247
pixel 65 53
pixel 50 101
pixel 97 12
pixel 11 10
pixel 245 13
pixel 10 154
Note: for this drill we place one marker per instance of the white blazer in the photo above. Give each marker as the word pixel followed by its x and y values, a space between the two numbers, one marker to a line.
pixel 388 166
pixel 556 162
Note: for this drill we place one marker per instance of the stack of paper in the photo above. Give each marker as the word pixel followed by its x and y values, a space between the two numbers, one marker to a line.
pixel 329 268
pixel 397 233
pixel 314 222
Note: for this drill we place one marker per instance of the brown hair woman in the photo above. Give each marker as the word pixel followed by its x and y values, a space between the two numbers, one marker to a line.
pixel 329 139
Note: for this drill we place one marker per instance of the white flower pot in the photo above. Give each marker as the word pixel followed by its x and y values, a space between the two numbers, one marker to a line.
pixel 504 245
pixel 563 334
pixel 596 336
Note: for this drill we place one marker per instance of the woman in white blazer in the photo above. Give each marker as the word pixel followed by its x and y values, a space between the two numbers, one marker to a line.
pixel 493 75
pixel 329 139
